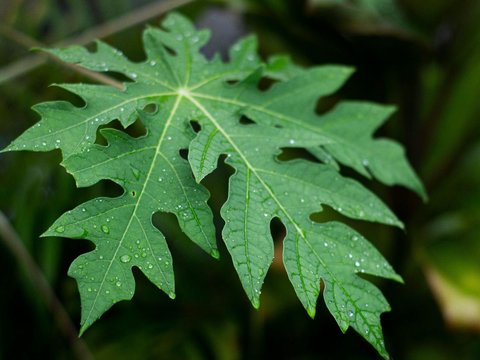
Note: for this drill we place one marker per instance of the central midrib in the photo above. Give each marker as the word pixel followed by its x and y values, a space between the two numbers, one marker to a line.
pixel 141 193
pixel 298 229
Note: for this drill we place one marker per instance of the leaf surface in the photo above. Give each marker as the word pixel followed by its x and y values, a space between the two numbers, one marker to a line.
pixel 201 106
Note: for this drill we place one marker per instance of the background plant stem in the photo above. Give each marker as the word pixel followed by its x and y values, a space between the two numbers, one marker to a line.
pixel 117 25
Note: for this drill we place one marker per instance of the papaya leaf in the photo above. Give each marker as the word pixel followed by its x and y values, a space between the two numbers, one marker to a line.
pixel 201 106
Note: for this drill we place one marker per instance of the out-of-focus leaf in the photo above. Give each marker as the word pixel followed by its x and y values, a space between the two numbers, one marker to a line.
pixel 366 16
pixel 458 107
pixel 452 255
pixel 460 307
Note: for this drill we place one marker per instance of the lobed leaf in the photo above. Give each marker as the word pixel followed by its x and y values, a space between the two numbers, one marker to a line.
pixel 200 107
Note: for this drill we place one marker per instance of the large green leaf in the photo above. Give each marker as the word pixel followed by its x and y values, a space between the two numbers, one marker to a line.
pixel 201 106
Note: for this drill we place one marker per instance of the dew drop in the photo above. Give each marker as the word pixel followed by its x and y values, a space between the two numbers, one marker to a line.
pixel 350 313
pixel 105 229
pixel 60 229
pixel 125 258
pixel 135 172
pixel 118 283
pixel 357 264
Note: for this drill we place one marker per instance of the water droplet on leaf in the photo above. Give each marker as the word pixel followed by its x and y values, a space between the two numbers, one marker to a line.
pixel 135 172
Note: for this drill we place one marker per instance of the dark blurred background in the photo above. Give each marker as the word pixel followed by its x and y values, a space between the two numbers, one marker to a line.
pixel 423 56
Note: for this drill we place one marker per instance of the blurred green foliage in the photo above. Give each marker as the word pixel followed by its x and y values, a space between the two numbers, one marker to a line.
pixel 423 56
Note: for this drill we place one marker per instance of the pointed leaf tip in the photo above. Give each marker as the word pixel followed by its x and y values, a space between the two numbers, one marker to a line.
pixel 215 254
pixel 311 311
pixel 82 330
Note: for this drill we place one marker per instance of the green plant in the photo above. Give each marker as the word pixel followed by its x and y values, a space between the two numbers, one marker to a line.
pixel 206 109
